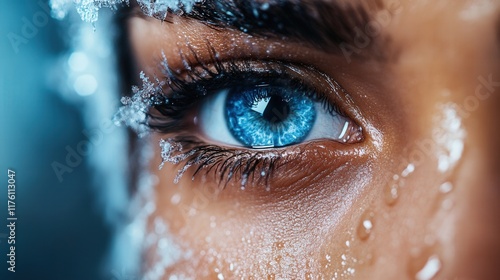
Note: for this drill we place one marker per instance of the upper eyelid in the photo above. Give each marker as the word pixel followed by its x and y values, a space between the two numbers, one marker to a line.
pixel 207 56
pixel 214 62
pixel 191 71
pixel 192 64
pixel 271 70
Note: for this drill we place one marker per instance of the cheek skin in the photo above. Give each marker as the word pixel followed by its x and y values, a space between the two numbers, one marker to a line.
pixel 261 233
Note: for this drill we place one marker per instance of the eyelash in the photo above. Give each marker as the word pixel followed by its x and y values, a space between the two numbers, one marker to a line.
pixel 227 163
pixel 200 79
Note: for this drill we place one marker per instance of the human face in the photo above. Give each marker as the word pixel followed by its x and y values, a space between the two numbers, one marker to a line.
pixel 408 189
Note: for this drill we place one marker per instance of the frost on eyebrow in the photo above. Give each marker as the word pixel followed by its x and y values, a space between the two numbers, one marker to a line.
pixel 159 8
pixel 89 9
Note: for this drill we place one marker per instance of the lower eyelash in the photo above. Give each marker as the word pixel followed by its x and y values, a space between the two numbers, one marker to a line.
pixel 228 164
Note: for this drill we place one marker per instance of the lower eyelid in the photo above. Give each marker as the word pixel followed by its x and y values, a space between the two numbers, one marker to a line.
pixel 288 164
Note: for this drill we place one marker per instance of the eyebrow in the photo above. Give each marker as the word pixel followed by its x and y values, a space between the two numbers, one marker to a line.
pixel 330 25
pixel 326 24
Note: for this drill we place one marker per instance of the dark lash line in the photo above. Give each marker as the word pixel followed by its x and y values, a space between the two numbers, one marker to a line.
pixel 227 163
pixel 198 81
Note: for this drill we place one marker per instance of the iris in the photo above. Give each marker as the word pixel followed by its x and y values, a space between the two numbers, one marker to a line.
pixel 269 116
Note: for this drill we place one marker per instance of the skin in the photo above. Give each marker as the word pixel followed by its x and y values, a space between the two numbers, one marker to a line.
pixel 309 225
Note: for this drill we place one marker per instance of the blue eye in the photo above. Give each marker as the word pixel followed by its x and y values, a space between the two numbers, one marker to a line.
pixel 269 116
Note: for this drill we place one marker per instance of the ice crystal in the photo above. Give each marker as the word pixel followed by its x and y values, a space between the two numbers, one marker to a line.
pixel 160 8
pixel 134 111
pixel 89 9
pixel 171 151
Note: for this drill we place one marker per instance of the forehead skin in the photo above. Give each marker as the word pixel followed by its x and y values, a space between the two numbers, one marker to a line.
pixel 430 85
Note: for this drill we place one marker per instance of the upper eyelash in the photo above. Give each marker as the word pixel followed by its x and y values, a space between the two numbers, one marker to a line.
pixel 199 78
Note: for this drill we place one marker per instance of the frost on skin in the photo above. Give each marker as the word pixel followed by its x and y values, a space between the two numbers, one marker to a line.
pixel 134 111
pixel 89 9
pixel 171 151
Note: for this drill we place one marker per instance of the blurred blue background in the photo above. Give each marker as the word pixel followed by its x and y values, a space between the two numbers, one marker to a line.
pixel 60 231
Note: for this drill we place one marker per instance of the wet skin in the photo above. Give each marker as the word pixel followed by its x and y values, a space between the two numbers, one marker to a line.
pixel 422 87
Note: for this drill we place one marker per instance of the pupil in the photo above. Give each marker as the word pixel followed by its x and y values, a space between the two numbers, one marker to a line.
pixel 276 109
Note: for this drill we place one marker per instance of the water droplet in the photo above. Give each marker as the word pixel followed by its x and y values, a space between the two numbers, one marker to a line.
pixel 391 193
pixel 244 179
pixel 430 269
pixel 150 207
pixel 160 226
pixel 366 225
pixel 271 276
pixel 175 199
pixel 446 187
pixel 367 259
pixel 408 170
pixel 347 243
pixel 424 264
pixel 449 137
pixel 220 276
pixel 328 258
pixel 309 276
